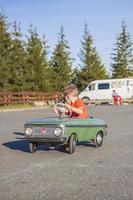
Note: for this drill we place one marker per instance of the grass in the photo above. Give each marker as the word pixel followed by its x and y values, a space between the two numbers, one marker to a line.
pixel 16 106
pixel 23 106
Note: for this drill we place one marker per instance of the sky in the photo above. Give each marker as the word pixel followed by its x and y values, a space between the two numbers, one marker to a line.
pixel 104 18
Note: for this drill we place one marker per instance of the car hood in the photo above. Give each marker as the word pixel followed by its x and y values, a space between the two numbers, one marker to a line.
pixel 67 121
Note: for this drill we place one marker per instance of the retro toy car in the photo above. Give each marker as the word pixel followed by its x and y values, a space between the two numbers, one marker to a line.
pixel 64 131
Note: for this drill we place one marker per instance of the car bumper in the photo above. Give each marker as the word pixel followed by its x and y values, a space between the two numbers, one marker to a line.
pixel 47 140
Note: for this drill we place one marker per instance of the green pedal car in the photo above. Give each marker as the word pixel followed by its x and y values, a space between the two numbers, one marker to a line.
pixel 64 131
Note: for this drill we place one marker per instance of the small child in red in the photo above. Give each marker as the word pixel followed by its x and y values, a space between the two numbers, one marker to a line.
pixel 75 107
pixel 117 98
pixel 73 103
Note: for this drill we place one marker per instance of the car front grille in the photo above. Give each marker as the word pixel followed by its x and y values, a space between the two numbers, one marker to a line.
pixel 47 131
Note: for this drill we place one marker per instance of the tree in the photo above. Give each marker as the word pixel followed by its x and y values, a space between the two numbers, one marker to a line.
pixel 37 64
pixel 91 67
pixel 5 50
pixel 17 60
pixel 122 65
pixel 61 63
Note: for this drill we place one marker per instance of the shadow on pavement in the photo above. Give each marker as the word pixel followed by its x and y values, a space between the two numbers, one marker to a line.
pixel 85 143
pixel 23 145
pixel 18 133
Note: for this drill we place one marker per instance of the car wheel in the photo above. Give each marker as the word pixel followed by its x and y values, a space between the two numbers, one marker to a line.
pixel 72 144
pixel 98 141
pixel 32 147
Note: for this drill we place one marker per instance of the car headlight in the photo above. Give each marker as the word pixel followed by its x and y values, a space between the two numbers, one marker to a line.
pixel 57 132
pixel 28 131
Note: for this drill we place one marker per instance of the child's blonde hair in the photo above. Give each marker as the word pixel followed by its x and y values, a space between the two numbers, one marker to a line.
pixel 69 89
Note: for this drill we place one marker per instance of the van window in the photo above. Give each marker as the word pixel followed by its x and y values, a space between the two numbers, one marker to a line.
pixel 92 87
pixel 103 86
pixel 117 84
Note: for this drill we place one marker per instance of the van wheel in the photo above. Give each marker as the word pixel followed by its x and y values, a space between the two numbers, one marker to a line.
pixel 72 143
pixel 98 141
pixel 86 100
pixel 32 147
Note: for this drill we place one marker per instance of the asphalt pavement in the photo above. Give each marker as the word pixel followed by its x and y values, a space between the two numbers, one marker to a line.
pixel 104 173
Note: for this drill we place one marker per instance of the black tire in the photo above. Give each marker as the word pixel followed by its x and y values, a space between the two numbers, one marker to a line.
pixel 98 141
pixel 32 147
pixel 72 143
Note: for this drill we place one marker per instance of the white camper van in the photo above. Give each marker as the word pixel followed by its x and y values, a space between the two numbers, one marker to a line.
pixel 102 89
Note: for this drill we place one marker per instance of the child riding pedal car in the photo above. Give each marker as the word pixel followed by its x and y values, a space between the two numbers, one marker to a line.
pixel 74 105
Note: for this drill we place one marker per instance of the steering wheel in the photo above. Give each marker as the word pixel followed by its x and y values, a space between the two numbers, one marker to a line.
pixel 61 110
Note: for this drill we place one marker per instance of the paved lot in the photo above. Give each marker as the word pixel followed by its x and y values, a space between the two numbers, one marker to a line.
pixel 90 173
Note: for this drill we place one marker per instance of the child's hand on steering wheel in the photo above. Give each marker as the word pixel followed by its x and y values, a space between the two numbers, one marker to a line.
pixel 62 110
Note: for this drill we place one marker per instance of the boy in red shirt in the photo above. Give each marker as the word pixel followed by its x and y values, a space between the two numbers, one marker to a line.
pixel 74 105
